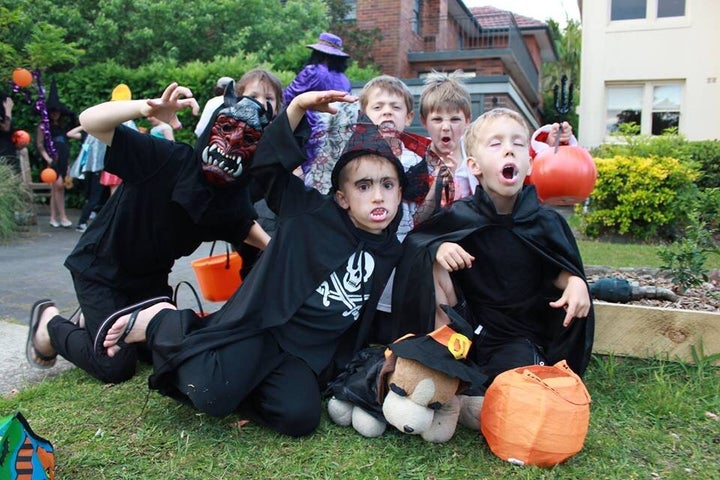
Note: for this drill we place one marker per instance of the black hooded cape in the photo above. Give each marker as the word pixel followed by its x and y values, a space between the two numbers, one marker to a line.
pixel 539 227
pixel 314 238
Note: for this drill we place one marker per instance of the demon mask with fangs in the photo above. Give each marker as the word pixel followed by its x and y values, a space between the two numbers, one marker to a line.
pixel 228 144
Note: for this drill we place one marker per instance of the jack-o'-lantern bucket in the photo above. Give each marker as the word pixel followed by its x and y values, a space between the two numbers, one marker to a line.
pixel 536 415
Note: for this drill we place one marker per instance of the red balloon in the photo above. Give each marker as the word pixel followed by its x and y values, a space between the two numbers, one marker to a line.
pixel 22 77
pixel 48 175
pixel 563 178
pixel 20 139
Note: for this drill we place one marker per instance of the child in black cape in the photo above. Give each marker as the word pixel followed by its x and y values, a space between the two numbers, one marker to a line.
pixel 309 302
pixel 510 265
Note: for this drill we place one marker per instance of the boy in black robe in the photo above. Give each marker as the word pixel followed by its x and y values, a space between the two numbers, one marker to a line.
pixel 173 198
pixel 510 265
pixel 309 301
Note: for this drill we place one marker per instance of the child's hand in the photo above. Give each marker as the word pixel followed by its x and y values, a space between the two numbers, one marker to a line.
pixel 575 300
pixel 320 101
pixel 173 99
pixel 453 257
pixel 565 135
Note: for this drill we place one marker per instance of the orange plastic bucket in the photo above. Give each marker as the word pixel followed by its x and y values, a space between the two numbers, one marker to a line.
pixel 218 275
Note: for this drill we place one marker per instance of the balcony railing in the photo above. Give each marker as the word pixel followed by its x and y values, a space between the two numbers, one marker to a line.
pixel 487 34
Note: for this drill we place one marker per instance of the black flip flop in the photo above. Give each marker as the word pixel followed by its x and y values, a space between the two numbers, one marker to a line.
pixel 134 310
pixel 30 351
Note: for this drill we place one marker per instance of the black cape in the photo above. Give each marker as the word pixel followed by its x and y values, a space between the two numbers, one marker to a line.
pixel 541 228
pixel 314 238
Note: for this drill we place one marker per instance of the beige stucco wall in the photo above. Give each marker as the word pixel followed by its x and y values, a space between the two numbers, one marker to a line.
pixel 683 50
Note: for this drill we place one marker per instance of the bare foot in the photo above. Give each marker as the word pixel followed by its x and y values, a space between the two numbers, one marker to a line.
pixel 117 334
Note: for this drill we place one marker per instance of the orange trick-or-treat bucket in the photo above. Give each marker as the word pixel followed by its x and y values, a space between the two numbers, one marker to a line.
pixel 218 275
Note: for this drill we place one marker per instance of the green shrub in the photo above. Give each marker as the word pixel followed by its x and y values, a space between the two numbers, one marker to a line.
pixel 645 198
pixel 14 202
pixel 687 256
pixel 704 156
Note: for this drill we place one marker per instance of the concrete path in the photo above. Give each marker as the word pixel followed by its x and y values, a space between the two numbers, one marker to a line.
pixel 31 268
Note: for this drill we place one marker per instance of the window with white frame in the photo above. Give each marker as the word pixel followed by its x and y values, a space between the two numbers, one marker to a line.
pixel 650 9
pixel 666 108
pixel 654 106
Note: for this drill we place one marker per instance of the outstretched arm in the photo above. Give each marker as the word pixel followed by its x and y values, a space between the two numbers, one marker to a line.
pixel 100 120
pixel 318 101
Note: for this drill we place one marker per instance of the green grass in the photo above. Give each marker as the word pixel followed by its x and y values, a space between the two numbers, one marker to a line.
pixel 648 420
pixel 611 254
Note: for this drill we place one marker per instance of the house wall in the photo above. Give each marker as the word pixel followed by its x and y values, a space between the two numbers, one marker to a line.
pixel 681 50
pixel 393 18
pixel 439 32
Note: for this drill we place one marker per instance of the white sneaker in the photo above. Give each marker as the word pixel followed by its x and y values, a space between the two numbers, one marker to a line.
pixel 81 227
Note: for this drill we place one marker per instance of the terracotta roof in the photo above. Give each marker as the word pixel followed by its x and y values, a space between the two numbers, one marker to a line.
pixel 488 18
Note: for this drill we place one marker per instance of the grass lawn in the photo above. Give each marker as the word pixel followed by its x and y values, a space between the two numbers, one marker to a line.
pixel 650 419
pixel 611 254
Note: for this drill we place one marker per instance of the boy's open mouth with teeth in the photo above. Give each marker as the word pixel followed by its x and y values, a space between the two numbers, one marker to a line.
pixel 509 171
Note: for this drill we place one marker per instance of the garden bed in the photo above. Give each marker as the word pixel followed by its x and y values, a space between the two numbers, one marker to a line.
pixel 686 329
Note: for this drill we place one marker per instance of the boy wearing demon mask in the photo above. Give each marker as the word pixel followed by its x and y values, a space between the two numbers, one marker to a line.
pixel 172 199
pixel 308 302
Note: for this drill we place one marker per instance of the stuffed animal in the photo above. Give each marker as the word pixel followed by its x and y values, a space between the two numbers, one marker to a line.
pixel 417 383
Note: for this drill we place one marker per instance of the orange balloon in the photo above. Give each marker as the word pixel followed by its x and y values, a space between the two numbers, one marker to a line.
pixel 48 175
pixel 22 77
pixel 20 139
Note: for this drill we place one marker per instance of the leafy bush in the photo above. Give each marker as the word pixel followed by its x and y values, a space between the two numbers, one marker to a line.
pixel 704 156
pixel 707 156
pixel 14 201
pixel 686 257
pixel 645 198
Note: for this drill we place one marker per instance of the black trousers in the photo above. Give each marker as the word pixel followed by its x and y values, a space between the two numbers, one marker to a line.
pixel 75 344
pixel 495 357
pixel 253 373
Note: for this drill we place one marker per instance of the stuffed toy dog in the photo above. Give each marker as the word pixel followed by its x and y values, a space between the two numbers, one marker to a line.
pixel 414 385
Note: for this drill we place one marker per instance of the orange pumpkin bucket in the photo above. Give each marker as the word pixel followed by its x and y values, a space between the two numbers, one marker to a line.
pixel 536 415
pixel 218 276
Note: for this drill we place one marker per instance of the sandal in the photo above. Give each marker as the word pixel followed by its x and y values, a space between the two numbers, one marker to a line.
pixel 134 310
pixel 31 352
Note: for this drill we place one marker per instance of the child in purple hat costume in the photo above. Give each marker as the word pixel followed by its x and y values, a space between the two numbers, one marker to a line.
pixel 324 70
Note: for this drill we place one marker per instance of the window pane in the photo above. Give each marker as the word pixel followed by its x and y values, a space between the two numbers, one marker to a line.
pixel 661 121
pixel 624 105
pixel 666 98
pixel 671 8
pixel 627 9
pixel 666 108
pixel 351 6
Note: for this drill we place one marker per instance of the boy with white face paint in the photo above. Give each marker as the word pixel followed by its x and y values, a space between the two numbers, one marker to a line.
pixel 308 304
